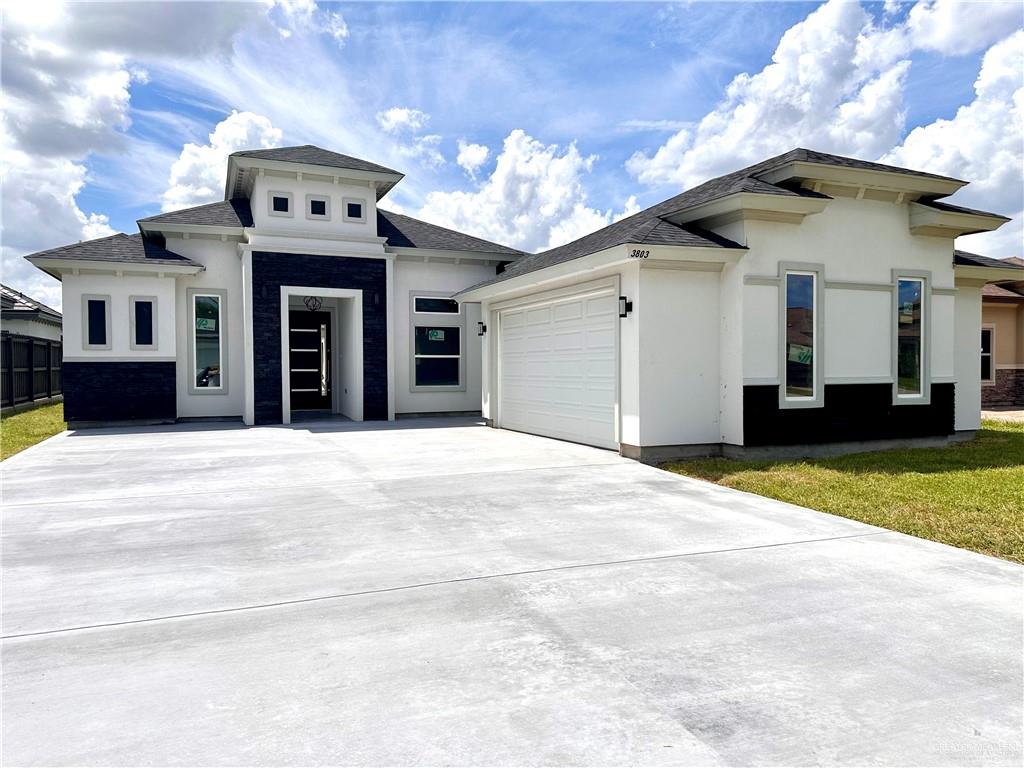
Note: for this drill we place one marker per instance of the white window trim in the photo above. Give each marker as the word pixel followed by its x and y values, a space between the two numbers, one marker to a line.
pixel 817 271
pixel 132 300
pixel 316 216
pixel 271 194
pixel 344 209
pixel 221 294
pixel 991 354
pixel 105 298
pixel 430 320
pixel 925 277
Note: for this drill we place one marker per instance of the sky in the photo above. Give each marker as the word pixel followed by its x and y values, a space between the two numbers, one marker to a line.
pixel 529 124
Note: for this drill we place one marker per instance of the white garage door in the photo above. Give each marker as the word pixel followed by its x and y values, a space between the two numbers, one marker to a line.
pixel 558 367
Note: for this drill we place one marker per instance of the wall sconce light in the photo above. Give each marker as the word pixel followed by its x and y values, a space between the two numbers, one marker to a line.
pixel 625 306
pixel 481 329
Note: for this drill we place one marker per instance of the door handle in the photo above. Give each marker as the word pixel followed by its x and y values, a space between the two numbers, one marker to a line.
pixel 323 360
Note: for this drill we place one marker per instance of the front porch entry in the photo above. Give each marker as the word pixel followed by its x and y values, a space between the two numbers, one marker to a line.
pixel 321 351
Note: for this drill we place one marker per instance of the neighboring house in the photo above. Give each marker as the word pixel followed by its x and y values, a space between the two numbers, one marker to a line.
pixel 810 300
pixel 1002 342
pixel 30 350
pixel 295 293
pixel 807 300
pixel 24 316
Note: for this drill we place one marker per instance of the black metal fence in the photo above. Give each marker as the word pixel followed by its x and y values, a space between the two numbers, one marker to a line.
pixel 30 369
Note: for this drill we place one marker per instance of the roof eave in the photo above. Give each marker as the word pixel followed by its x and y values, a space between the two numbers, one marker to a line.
pixel 908 183
pixel 972 272
pixel 382 182
pixel 740 206
pixel 925 220
pixel 57 267
pixel 612 256
pixel 197 229
pixel 495 256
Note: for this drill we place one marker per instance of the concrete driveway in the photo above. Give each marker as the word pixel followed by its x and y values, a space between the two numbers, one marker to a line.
pixel 437 592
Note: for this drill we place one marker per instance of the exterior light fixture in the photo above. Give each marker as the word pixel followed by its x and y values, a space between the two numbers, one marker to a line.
pixel 481 329
pixel 625 306
pixel 313 303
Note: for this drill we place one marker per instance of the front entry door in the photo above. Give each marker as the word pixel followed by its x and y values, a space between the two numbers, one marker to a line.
pixel 309 343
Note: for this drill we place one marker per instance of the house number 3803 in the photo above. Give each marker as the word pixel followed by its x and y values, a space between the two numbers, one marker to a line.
pixel 635 254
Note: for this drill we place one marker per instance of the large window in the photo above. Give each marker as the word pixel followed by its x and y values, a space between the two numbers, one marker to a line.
pixel 96 322
pixel 800 335
pixel 208 341
pixel 438 329
pixel 143 322
pixel 910 337
pixel 437 356
pixel 988 369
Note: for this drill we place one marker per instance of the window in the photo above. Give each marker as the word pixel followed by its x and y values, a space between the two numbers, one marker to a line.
pixel 436 305
pixel 279 203
pixel 438 328
pixel 96 322
pixel 143 322
pixel 354 210
pixel 800 336
pixel 988 369
pixel 318 207
pixel 910 337
pixel 438 353
pixel 207 341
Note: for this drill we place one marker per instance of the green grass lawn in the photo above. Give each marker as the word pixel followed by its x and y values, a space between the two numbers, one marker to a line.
pixel 969 495
pixel 18 431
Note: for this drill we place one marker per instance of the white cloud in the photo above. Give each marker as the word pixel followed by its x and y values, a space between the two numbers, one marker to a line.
pixel 984 144
pixel 955 27
pixel 197 176
pixel 835 83
pixel 336 27
pixel 673 126
pixel 398 119
pixel 819 90
pixel 471 156
pixel 534 199
pixel 425 149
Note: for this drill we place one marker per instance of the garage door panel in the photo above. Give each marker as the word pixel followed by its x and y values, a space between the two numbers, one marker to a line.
pixel 559 368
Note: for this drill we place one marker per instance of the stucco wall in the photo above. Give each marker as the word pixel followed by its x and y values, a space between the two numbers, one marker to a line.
pixel 298 221
pixel 223 272
pixel 436 277
pixel 120 290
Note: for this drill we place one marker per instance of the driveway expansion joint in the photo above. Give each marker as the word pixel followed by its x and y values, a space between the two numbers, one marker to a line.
pixel 438 583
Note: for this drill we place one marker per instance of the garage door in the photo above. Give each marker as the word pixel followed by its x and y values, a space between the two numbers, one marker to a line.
pixel 558 367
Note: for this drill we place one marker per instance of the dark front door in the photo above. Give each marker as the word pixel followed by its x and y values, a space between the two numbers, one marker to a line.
pixel 309 343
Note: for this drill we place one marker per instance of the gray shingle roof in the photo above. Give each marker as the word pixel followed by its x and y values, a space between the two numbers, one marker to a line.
pixel 15 304
pixel 119 248
pixel 942 206
pixel 311 155
pixel 406 232
pixel 227 213
pixel 967 259
pixel 635 228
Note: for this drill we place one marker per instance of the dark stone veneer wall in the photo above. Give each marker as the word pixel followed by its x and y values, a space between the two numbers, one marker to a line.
pixel 1007 390
pixel 119 391
pixel 852 412
pixel 272 270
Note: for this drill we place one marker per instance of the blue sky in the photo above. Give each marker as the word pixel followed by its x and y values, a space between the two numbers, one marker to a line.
pixel 586 110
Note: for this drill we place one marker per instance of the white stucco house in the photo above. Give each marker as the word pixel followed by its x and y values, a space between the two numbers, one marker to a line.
pixel 810 300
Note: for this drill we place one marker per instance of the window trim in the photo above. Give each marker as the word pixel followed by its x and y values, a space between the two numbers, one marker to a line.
pixel 132 301
pixel 817 271
pixel 326 199
pixel 271 194
pixel 344 209
pixel 191 295
pixel 427 320
pixel 105 298
pixel 925 277
pixel 991 328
